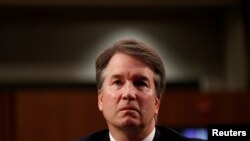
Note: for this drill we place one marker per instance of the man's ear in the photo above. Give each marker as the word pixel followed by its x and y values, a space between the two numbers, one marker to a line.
pixel 100 97
pixel 157 104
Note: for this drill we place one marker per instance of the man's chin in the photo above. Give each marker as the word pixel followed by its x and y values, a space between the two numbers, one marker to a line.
pixel 129 122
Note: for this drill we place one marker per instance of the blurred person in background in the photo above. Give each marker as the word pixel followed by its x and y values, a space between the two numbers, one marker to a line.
pixel 131 82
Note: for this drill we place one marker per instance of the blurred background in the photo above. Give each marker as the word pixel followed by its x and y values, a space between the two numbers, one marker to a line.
pixel 48 50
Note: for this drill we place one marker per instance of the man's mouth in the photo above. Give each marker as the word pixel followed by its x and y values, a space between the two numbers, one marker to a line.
pixel 128 109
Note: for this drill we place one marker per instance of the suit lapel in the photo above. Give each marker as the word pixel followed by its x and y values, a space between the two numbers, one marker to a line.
pixel 157 134
pixel 106 138
pixel 156 137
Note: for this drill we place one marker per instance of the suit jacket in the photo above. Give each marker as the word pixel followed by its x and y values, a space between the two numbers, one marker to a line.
pixel 161 134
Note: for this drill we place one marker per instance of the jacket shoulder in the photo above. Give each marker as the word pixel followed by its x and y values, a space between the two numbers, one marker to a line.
pixel 95 136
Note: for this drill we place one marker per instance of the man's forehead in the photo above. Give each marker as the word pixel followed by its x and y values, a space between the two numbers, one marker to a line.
pixel 121 64
pixel 133 76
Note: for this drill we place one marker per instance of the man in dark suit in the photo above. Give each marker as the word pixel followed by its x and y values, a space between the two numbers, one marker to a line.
pixel 131 81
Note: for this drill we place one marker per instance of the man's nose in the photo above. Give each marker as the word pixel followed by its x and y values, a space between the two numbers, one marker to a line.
pixel 129 92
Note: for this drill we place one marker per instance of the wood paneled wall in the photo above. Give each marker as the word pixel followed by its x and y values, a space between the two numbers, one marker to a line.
pixel 189 108
pixel 55 114
pixel 6 116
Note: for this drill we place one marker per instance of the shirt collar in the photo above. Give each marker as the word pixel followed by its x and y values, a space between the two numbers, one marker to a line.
pixel 150 137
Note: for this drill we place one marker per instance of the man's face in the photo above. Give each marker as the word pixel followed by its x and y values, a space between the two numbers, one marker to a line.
pixel 128 95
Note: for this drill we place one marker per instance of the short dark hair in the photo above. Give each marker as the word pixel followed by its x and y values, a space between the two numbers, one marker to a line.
pixel 136 49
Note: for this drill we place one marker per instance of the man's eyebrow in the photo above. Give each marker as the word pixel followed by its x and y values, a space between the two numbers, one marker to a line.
pixel 118 76
pixel 141 77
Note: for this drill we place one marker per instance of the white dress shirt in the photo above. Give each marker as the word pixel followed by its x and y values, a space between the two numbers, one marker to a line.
pixel 150 137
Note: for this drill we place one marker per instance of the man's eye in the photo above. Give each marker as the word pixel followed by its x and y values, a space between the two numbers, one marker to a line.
pixel 140 83
pixel 117 82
